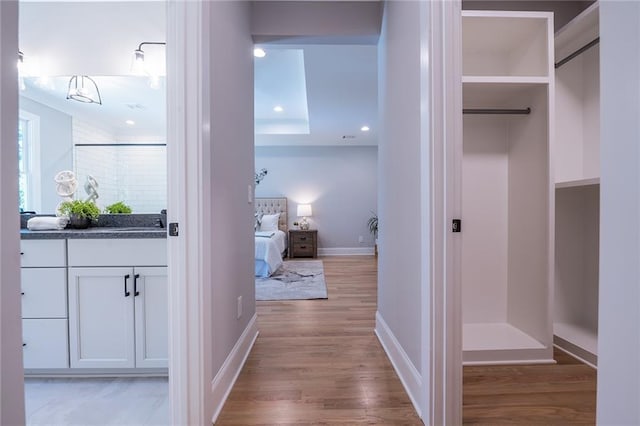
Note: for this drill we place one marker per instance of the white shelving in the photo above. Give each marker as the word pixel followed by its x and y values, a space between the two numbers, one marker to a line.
pixel 577 171
pixel 507 192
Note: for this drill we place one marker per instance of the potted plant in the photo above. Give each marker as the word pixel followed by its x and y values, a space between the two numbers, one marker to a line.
pixel 80 213
pixel 118 208
pixel 372 224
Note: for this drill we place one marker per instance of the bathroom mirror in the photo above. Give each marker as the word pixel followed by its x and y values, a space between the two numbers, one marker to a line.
pixel 121 142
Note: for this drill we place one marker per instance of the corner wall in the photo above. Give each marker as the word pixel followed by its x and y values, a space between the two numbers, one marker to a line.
pixel 619 299
pixel 400 164
pixel 11 376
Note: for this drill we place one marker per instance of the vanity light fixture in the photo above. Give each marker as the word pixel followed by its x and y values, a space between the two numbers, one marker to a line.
pixel 139 53
pixel 364 129
pixel 82 88
pixel 138 66
pixel 259 52
pixel 20 65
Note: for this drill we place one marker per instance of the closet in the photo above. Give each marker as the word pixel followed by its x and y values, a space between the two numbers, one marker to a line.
pixel 577 172
pixel 507 235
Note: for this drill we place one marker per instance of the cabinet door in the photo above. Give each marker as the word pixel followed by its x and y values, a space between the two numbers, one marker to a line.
pixel 44 292
pixel 101 327
pixel 45 343
pixel 152 317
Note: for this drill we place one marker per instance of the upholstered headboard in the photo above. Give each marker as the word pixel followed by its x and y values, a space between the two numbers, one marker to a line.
pixel 273 206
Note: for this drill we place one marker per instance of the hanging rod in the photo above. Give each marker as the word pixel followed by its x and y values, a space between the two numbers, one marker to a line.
pixel 496 111
pixel 577 52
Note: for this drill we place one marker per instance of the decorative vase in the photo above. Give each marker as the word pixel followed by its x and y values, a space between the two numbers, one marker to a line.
pixel 79 222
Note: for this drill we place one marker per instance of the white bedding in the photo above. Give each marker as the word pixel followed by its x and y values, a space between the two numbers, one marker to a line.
pixel 269 248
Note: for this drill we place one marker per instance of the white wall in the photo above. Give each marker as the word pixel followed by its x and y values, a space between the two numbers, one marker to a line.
pixel 339 182
pixel 231 167
pixel 56 149
pixel 400 164
pixel 619 307
pixel 11 381
pixel 356 20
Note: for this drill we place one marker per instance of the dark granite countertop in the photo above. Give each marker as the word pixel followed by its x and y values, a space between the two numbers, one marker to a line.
pixel 90 233
pixel 108 226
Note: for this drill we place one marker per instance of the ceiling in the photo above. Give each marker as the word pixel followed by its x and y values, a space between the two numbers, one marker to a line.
pixel 327 92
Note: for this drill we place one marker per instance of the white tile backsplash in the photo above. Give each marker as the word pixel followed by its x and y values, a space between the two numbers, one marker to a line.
pixel 135 175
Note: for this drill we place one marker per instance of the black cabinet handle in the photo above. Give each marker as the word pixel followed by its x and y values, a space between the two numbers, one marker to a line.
pixel 303 238
pixel 303 247
pixel 24 344
pixel 126 292
pixel 21 253
pixel 135 285
pixel 22 293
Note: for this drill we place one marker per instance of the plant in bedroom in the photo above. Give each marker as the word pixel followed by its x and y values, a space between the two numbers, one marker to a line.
pixel 372 224
pixel 260 175
pixel 80 213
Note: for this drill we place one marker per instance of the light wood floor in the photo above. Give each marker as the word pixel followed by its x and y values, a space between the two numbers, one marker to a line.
pixel 559 394
pixel 318 362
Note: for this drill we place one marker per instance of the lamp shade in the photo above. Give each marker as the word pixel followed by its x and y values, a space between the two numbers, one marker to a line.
pixel 304 210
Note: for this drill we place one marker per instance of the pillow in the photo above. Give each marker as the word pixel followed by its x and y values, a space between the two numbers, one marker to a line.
pixel 258 221
pixel 270 222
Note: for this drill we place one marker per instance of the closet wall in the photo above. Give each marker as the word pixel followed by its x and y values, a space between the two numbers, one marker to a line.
pixel 507 196
pixel 577 170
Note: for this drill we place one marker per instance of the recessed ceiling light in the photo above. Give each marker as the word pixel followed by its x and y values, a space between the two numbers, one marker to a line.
pixel 130 122
pixel 259 53
pixel 364 129
pixel 278 108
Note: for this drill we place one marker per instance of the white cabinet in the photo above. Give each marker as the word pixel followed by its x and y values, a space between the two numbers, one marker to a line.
pixel 44 304
pixel 151 317
pixel 507 187
pixel 577 170
pixel 101 323
pixel 118 315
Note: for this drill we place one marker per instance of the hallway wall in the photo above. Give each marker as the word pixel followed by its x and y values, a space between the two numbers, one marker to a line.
pixel 11 382
pixel 400 161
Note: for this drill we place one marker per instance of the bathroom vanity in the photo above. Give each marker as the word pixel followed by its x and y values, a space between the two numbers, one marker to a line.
pixel 94 301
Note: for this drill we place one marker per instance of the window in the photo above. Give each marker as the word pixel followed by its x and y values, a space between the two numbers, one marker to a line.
pixel 28 162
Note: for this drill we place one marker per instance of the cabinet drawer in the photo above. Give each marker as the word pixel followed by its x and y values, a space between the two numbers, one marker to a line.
pixel 116 252
pixel 43 253
pixel 303 250
pixel 44 292
pixel 45 343
pixel 303 238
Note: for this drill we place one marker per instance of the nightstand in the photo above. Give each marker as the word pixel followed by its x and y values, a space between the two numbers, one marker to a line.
pixel 303 243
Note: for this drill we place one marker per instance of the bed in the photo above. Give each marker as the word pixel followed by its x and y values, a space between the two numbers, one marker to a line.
pixel 270 243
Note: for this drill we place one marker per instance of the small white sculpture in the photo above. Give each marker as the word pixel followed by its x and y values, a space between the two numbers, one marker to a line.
pixel 66 186
pixel 91 186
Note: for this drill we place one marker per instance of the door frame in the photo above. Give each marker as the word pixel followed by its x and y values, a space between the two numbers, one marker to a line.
pixel 441 289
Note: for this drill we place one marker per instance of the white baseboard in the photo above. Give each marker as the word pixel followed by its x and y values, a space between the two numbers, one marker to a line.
pixel 409 375
pixel 345 251
pixel 223 382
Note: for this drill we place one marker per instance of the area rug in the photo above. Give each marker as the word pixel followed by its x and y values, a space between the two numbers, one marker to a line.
pixel 294 280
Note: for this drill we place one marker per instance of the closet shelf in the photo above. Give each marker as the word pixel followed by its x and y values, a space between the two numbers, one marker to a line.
pixel 577 33
pixel 504 79
pixel 578 183
pixel 578 335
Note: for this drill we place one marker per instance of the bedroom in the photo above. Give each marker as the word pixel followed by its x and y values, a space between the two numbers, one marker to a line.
pixel 316 138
